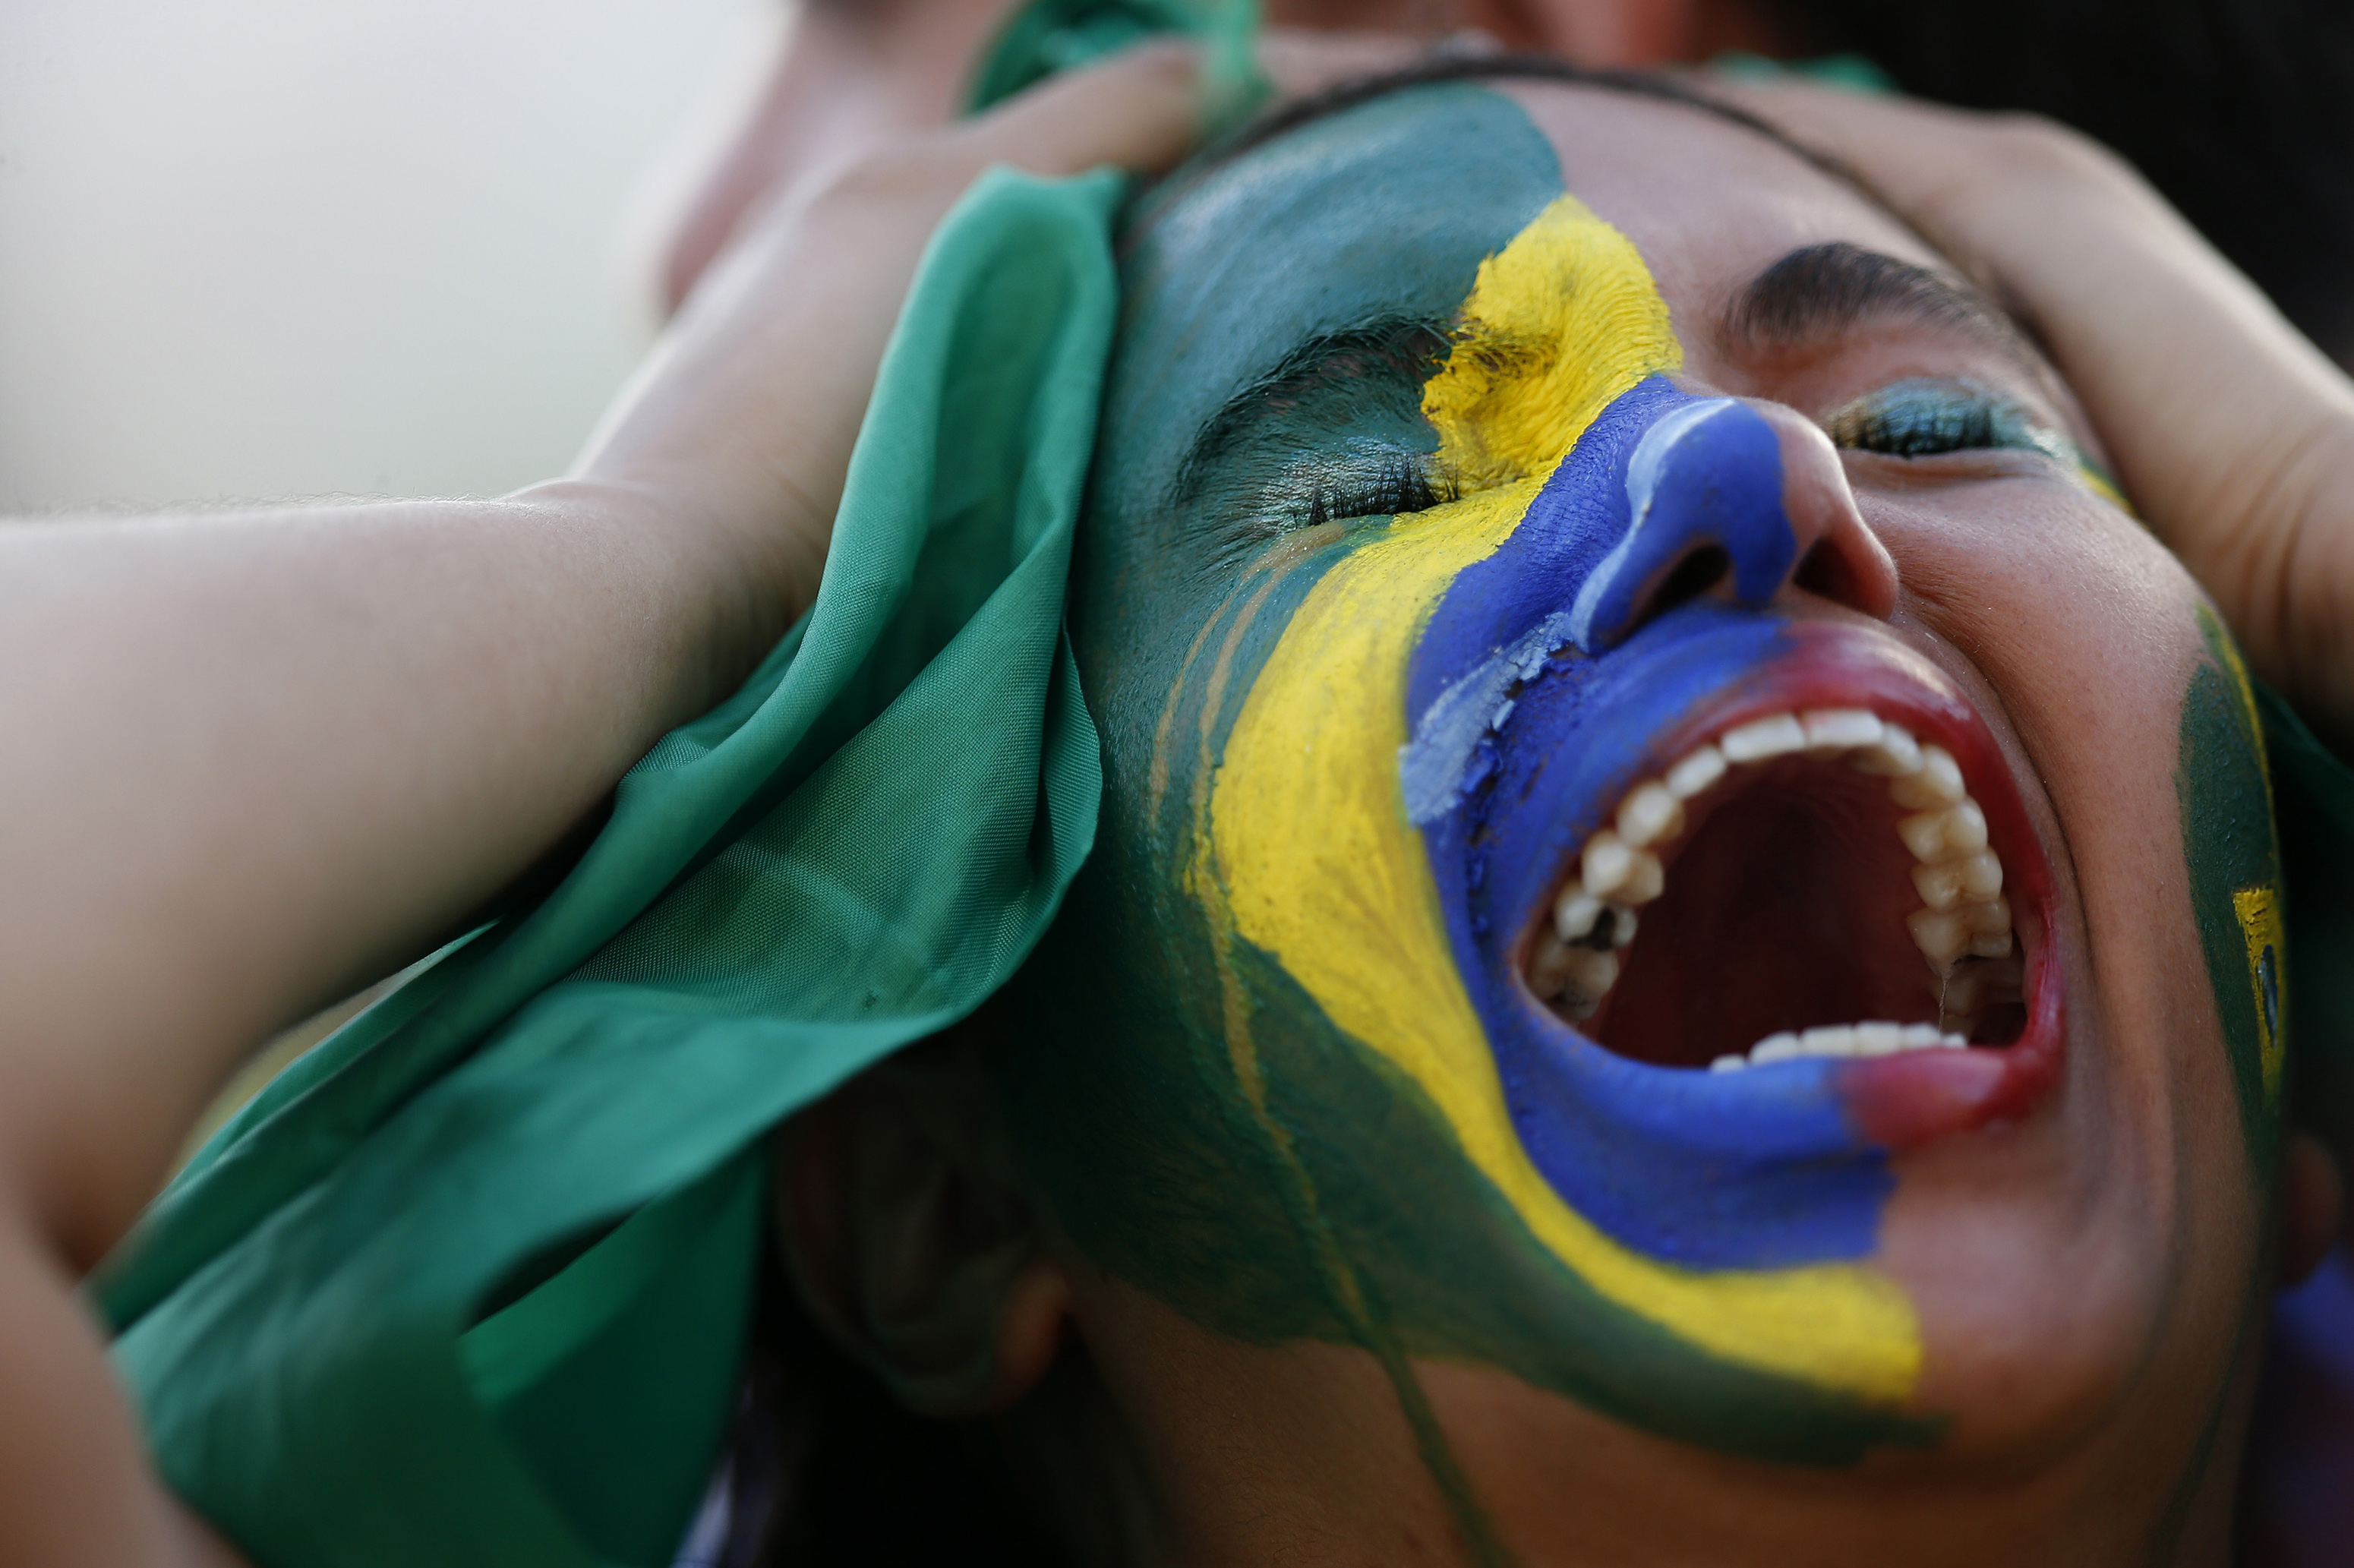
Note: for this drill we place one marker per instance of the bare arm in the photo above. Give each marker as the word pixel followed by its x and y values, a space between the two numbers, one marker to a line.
pixel 250 761
pixel 2232 433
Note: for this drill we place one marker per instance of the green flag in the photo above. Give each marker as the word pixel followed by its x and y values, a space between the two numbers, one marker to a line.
pixel 469 1283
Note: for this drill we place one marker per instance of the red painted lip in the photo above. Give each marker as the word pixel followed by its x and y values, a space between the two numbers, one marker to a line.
pixel 1903 1101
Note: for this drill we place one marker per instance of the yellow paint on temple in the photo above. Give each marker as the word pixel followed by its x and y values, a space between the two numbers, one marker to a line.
pixel 1559 323
pixel 2259 909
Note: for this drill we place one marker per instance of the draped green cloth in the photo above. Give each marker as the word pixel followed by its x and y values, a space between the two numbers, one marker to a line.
pixel 471 1282
pixel 848 855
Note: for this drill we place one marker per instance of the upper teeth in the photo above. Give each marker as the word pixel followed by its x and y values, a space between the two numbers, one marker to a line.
pixel 1963 913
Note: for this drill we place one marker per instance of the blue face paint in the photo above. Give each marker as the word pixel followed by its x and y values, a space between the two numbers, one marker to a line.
pixel 1756 1171
pixel 1707 475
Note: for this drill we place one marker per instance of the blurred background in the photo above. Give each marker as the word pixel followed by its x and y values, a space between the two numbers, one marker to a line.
pixel 263 248
pixel 260 250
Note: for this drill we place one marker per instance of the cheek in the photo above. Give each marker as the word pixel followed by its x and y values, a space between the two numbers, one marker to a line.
pixel 2232 853
pixel 2087 636
pixel 2084 633
pixel 2135 713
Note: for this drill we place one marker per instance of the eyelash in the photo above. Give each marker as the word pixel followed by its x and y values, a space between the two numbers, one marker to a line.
pixel 1928 418
pixel 1366 481
pixel 1907 420
pixel 1401 484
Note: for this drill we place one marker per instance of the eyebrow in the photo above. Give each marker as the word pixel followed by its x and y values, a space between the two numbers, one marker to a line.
pixel 1810 294
pixel 1813 294
pixel 1822 291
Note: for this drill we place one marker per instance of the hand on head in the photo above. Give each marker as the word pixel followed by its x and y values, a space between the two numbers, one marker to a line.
pixel 448 687
pixel 258 759
pixel 2232 434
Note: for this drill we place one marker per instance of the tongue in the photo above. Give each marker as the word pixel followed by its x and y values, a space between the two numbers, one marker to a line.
pixel 1784 910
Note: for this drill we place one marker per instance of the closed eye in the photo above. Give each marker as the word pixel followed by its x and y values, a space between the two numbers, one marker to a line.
pixel 1362 478
pixel 1927 418
pixel 1335 433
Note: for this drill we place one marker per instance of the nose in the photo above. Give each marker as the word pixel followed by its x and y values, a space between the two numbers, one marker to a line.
pixel 1745 500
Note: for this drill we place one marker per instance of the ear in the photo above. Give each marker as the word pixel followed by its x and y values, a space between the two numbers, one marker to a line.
pixel 910 1240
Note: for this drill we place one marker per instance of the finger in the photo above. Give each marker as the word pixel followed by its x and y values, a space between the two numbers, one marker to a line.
pixel 1303 61
pixel 1139 110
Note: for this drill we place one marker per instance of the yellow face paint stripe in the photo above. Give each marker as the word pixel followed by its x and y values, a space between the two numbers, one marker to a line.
pixel 1559 323
pixel 1321 869
pixel 2258 908
pixel 2260 923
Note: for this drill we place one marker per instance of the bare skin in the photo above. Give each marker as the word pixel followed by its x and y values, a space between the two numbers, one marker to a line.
pixel 2077 1395
pixel 364 741
pixel 372 717
pixel 2234 435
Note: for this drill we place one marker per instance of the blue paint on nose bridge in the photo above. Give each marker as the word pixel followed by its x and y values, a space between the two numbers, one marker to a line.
pixel 1658 476
pixel 1532 706
pixel 1705 475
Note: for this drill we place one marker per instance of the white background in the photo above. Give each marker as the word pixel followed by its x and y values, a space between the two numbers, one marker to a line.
pixel 257 248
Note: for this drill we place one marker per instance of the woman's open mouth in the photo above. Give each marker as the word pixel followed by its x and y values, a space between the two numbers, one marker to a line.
pixel 1812 870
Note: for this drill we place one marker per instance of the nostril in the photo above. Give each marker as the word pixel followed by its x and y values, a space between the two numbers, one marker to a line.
pixel 1687 579
pixel 1826 570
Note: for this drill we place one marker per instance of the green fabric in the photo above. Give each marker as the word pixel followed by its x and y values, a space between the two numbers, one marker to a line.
pixel 470 1283
pixel 1049 35
pixel 1852 71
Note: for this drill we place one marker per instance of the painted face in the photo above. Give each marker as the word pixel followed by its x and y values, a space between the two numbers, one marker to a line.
pixel 1667 844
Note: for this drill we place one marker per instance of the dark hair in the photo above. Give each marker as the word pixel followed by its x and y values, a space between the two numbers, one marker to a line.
pixel 1453 66
pixel 2240 112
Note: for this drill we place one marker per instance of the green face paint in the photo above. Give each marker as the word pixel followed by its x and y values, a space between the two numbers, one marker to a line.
pixel 2233 850
pixel 1205 1128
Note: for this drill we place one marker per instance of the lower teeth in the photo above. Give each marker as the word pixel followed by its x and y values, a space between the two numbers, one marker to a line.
pixel 1844 1040
pixel 1976 985
pixel 1574 979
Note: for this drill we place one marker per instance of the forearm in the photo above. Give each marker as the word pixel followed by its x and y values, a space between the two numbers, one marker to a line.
pixel 249 761
pixel 254 759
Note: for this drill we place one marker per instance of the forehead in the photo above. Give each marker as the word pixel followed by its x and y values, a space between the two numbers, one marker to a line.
pixel 1709 203
pixel 1385 211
